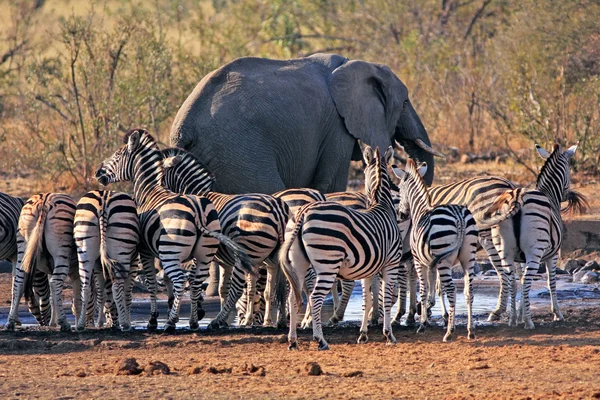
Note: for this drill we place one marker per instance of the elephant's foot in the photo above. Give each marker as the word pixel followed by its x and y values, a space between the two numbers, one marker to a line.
pixel 362 338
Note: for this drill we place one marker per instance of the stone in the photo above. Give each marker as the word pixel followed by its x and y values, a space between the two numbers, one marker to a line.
pixel 590 277
pixel 352 374
pixel 491 272
pixel 577 276
pixel 157 368
pixel 560 271
pixel 590 266
pixel 127 366
pixel 313 369
pixel 483 266
pixel 571 265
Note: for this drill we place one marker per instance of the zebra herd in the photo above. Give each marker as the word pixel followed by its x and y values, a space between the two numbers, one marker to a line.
pixel 387 238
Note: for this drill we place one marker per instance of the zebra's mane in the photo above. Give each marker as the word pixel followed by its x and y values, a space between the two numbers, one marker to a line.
pixel 411 170
pixel 373 192
pixel 550 162
pixel 178 151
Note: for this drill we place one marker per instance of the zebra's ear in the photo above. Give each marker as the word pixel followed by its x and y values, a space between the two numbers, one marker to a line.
pixel 422 169
pixel 542 152
pixel 570 152
pixel 133 141
pixel 398 172
pixel 368 155
pixel 389 153
pixel 171 162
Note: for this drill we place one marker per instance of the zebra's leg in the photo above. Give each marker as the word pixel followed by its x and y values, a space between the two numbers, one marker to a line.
pixel 18 285
pixel 77 306
pixel 335 296
pixel 374 310
pixel 440 290
pixel 505 243
pixel 109 308
pixel 309 285
pixel 204 257
pixel 57 281
pixel 412 286
pixel 238 280
pixel 150 279
pixel 322 286
pixel 401 293
pixel 251 286
pixel 366 306
pixel 423 274
pixel 444 271
pixel 225 275
pixel 299 265
pixel 101 298
pixel 467 261
pixel 389 276
pixel 531 270
pixel 486 242
pixel 86 276
pixel 551 271
pixel 118 290
pixel 170 293
pixel 41 291
pixel 271 286
pixel 338 313
pixel 282 295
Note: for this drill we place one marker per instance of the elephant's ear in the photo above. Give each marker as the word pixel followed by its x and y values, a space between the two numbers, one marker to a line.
pixel 367 96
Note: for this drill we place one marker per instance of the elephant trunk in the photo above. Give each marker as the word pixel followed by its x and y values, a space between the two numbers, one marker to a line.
pixel 411 134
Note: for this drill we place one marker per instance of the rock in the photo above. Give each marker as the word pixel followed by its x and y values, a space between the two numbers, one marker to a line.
pixel 483 266
pixel 590 277
pixel 157 368
pixel 479 366
pixel 571 265
pixel 490 273
pixel 127 366
pixel 577 276
pixel 352 374
pixel 560 271
pixel 195 370
pixel 465 159
pixel 282 338
pixel 81 374
pixel 590 266
pixel 313 369
pixel 252 369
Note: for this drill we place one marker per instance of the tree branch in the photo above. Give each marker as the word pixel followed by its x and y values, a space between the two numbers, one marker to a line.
pixel 477 15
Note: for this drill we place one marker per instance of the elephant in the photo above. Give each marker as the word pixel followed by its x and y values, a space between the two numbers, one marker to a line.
pixel 263 125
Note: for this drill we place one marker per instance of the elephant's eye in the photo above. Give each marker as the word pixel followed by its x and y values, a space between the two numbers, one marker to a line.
pixel 405 103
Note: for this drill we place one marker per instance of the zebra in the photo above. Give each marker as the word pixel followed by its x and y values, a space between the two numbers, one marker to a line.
pixel 541 219
pixel 46 247
pixel 106 229
pixel 256 222
pixel 336 240
pixel 441 235
pixel 174 228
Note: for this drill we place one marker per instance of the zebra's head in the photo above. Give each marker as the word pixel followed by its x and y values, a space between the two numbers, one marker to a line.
pixel 411 178
pixel 376 173
pixel 119 166
pixel 554 178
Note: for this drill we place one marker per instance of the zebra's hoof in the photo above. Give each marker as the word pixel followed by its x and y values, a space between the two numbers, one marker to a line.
pixel 447 337
pixel 10 326
pixel 281 324
pixel 169 329
pixel 323 345
pixel 293 346
pixel 445 318
pixel 18 322
pixel 512 322
pixel 80 328
pixel 362 338
pixel 391 340
pixel 493 317
pixel 421 328
pixel 201 313
pixel 194 326
pixel 529 325
pixel 215 324
pixel 471 336
pixel 65 327
pixel 558 316
pixel 126 328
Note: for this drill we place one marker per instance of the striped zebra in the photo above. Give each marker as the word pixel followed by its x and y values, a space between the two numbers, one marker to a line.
pixel 336 240
pixel 10 208
pixel 106 232
pixel 441 235
pixel 256 222
pixel 541 218
pixel 46 249
pixel 174 228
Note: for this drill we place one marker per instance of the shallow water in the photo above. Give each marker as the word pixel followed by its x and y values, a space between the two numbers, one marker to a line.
pixel 485 294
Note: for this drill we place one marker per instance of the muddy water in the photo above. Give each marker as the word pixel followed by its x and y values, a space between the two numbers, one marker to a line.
pixel 485 294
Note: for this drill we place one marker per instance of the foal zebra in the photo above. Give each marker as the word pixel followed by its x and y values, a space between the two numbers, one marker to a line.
pixel 174 228
pixel 46 247
pixel 440 236
pixel 541 218
pixel 336 240
pixel 256 222
pixel 106 229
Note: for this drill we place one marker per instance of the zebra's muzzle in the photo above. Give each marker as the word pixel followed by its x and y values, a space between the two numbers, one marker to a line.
pixel 101 176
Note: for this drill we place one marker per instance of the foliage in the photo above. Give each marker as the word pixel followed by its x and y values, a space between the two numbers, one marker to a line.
pixel 481 73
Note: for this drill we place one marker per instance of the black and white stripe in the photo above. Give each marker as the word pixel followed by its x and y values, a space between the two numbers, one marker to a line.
pixel 440 236
pixel 106 235
pixel 336 240
pixel 174 228
pixel 256 222
pixel 46 250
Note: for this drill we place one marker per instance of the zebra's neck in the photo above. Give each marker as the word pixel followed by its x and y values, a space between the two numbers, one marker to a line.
pixel 418 198
pixel 549 182
pixel 148 174
pixel 381 193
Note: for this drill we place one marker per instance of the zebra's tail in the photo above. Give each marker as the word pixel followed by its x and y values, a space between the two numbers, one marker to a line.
pixel 33 249
pixel 238 253
pixel 108 264
pixel 284 261
pixel 498 212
